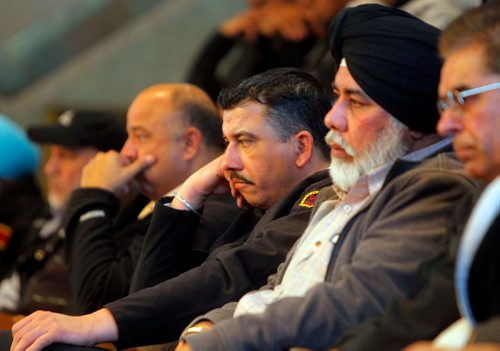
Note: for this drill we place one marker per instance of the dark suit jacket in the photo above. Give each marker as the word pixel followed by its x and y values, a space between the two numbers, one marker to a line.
pixel 242 260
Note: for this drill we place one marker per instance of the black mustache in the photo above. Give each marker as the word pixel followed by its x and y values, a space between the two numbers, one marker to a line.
pixel 236 176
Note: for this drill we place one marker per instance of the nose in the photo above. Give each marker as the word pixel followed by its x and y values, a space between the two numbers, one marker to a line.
pixel 128 150
pixel 335 118
pixel 231 160
pixel 450 122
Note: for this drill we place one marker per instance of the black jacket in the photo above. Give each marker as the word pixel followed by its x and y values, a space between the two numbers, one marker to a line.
pixel 242 261
pixel 21 203
pixel 103 252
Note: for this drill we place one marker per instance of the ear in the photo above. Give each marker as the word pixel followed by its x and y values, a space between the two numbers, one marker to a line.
pixel 192 141
pixel 304 144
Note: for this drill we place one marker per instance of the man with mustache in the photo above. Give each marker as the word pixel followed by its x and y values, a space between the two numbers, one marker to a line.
pixel 388 209
pixel 274 163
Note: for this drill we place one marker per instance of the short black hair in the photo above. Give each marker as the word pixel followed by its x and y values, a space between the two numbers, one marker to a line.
pixel 295 100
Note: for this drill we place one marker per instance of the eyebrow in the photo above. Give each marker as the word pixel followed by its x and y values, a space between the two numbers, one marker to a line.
pixel 138 129
pixel 351 91
pixel 243 133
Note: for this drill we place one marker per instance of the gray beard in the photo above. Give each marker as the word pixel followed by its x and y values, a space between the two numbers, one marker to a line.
pixel 388 147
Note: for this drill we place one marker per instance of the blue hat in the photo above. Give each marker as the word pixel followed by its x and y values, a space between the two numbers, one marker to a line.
pixel 18 156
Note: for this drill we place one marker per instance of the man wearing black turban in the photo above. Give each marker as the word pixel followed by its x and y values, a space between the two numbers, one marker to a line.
pixel 388 210
pixel 394 60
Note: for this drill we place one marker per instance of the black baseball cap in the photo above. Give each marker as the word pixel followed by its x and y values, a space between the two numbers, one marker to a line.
pixel 79 128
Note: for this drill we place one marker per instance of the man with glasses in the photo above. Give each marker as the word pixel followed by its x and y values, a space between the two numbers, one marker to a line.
pixel 455 98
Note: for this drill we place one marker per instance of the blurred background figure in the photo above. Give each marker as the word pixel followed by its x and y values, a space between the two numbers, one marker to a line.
pixel 269 34
pixel 128 44
pixel 20 197
pixel 38 279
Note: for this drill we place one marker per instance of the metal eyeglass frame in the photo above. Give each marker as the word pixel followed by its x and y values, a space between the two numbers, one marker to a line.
pixel 455 97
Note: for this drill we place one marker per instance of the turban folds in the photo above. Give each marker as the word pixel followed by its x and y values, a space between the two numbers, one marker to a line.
pixel 393 56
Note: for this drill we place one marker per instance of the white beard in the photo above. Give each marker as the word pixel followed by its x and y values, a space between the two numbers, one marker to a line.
pixel 388 147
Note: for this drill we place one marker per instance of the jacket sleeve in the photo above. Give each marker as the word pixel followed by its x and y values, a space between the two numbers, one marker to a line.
pixel 393 241
pixel 227 311
pixel 409 320
pixel 159 314
pixel 100 256
pixel 228 273
pixel 157 261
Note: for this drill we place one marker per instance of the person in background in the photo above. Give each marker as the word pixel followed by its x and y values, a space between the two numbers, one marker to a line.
pixel 21 201
pixel 39 278
pixel 437 13
pixel 269 34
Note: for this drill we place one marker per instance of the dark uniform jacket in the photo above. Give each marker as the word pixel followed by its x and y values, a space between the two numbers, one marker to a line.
pixel 42 265
pixel 102 259
pixel 20 204
pixel 245 256
pixel 41 269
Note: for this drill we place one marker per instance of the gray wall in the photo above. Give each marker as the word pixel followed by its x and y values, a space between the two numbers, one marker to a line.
pixel 157 46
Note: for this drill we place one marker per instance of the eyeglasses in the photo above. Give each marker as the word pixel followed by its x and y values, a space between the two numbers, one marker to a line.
pixel 455 97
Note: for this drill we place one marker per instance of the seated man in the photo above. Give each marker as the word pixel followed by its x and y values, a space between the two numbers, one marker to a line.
pixel 388 210
pixel 469 46
pixel 173 130
pixel 39 278
pixel 470 90
pixel 275 161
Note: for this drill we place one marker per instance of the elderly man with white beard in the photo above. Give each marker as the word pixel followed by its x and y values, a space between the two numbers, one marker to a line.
pixel 388 211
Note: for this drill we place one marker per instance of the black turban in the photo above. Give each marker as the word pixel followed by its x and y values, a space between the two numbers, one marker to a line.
pixel 393 56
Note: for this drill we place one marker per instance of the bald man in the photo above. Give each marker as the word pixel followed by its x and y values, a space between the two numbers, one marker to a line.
pixel 173 129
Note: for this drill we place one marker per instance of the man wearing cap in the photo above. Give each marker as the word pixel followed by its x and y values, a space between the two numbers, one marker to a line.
pixel 20 197
pixel 173 129
pixel 388 209
pixel 39 278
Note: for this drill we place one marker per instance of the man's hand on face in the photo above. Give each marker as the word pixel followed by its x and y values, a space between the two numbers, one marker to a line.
pixel 110 171
pixel 206 181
